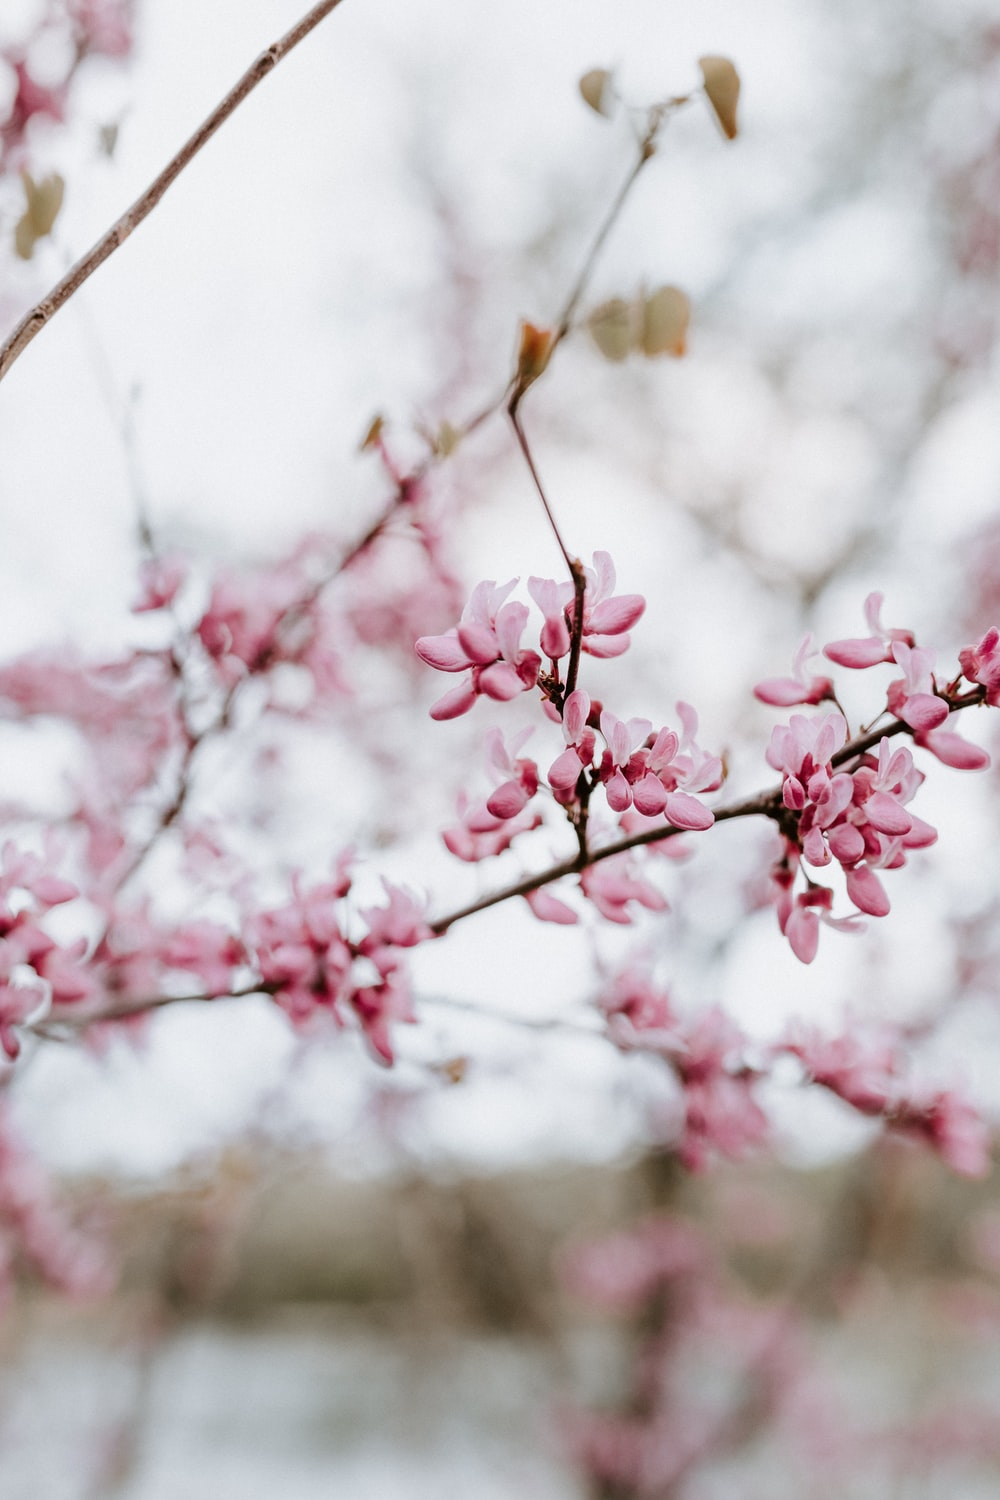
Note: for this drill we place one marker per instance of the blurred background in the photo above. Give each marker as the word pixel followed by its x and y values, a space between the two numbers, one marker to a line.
pixel 339 1276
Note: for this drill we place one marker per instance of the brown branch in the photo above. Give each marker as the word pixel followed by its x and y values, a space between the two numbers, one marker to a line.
pixel 36 319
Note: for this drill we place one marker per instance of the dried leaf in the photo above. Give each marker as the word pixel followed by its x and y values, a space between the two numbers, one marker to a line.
pixel 612 327
pixel 43 201
pixel 722 88
pixel 374 433
pixel 666 314
pixel 533 353
pixel 447 440
pixel 595 88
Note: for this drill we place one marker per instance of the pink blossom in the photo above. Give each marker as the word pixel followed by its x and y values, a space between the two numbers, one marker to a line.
pixel 482 835
pixel 208 950
pixel 912 697
pixel 581 739
pixel 784 692
pixel 548 908
pixel 981 664
pixel 487 644
pixel 517 777
pixel 553 600
pixel 607 617
pixel 634 1006
pixel 874 648
pixel 613 883
pixel 102 26
pixel 160 579
pixel 31 98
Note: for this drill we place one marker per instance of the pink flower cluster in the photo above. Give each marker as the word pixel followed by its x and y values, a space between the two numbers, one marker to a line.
pixel 650 778
pixel 719 1114
pixel 867 1073
pixel 852 808
pixel 310 965
pixel 36 972
pixel 487 641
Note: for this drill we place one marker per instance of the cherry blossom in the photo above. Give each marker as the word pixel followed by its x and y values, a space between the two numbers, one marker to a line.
pixel 873 648
pixel 785 692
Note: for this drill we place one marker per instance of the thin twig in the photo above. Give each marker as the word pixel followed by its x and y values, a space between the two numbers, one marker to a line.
pixel 36 319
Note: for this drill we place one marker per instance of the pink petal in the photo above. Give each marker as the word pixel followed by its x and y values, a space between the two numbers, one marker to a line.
pixel 857 653
pixel 884 813
pixel 685 811
pixel 615 615
pixel 500 682
pixel 548 908
pixel 479 643
pixel 867 892
pixel 782 692
pixel 846 843
pixel 618 793
pixel 443 652
pixel 649 795
pixel 455 703
pixel 802 932
pixel 508 800
pixel 954 751
pixel 604 646
pixel 564 771
pixel 923 712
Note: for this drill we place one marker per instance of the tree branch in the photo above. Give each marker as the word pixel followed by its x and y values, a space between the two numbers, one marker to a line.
pixel 44 311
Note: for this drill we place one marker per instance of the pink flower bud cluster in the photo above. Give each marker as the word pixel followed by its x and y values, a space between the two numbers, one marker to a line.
pixel 853 810
pixel 649 777
pixel 486 643
pixel 310 965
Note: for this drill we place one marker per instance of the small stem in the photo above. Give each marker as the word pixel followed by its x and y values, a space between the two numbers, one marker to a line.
pixel 33 323
pixel 512 411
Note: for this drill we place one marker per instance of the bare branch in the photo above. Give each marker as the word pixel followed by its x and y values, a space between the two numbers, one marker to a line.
pixel 36 319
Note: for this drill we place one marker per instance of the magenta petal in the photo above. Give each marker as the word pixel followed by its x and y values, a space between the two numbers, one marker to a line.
pixel 500 682
pixel 615 615
pixel 857 653
pixel 685 811
pixel 867 892
pixel 508 800
pixel 884 813
pixel 923 711
pixel 443 652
